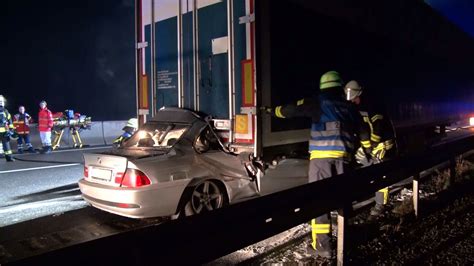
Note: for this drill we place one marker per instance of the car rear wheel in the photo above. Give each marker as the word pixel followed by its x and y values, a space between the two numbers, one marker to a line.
pixel 206 196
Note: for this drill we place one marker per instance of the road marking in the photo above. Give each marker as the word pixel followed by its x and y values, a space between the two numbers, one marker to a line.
pixel 83 149
pixel 39 168
pixel 42 203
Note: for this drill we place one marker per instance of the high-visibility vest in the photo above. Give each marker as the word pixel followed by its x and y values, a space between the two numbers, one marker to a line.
pixel 22 123
pixel 333 135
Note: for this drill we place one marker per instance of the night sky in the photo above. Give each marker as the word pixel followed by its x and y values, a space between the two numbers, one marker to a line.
pixel 460 12
pixel 73 54
pixel 80 54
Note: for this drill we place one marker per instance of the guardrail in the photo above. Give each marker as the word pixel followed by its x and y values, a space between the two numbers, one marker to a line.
pixel 101 133
pixel 203 238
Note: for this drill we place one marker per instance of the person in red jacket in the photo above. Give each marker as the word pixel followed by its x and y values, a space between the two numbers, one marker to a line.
pixel 22 121
pixel 45 124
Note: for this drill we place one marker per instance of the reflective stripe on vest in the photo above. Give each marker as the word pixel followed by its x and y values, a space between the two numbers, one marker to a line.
pixel 21 123
pixel 329 155
pixel 5 117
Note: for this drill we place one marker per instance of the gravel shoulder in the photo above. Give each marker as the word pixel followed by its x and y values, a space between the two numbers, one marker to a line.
pixel 443 234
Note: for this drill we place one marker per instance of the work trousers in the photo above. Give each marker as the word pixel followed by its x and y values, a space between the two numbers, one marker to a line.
pixel 45 138
pixel 6 145
pixel 381 196
pixel 320 169
pixel 24 138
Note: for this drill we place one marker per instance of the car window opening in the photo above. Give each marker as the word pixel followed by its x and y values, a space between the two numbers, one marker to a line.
pixel 156 136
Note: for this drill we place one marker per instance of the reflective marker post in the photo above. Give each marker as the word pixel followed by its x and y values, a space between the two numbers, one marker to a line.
pixel 416 194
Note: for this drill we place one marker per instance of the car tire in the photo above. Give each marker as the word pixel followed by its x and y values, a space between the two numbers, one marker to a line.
pixel 206 196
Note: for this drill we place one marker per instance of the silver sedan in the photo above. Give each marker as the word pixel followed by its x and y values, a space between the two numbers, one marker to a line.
pixel 174 165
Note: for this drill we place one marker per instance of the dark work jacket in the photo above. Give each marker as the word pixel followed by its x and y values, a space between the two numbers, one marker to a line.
pixel 334 123
pixel 378 126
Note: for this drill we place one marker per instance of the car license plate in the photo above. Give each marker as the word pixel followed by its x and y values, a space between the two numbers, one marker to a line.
pixel 101 174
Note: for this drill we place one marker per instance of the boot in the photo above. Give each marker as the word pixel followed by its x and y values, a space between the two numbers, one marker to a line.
pixel 20 151
pixel 31 149
pixel 48 150
pixel 319 252
pixel 377 210
pixel 9 158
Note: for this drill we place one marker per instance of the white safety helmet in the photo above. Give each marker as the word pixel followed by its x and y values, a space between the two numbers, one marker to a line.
pixel 2 101
pixel 133 123
pixel 43 104
pixel 352 90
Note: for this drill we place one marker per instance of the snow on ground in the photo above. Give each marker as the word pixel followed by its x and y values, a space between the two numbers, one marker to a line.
pixel 264 246
pixel 443 235
pixel 24 212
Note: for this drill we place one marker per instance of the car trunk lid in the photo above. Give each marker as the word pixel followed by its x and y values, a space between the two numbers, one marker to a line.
pixel 104 169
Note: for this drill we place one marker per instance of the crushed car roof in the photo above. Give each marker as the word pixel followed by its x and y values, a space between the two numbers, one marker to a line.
pixel 174 114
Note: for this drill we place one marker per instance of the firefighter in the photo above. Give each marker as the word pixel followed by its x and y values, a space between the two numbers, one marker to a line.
pixel 6 130
pixel 377 142
pixel 129 129
pixel 45 124
pixel 333 128
pixel 22 121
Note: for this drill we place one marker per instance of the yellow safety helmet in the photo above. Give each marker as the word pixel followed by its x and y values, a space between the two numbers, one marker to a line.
pixel 330 79
pixel 2 100
pixel 133 123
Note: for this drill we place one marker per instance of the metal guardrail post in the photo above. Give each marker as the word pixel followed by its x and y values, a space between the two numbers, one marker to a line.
pixel 452 173
pixel 416 194
pixel 342 215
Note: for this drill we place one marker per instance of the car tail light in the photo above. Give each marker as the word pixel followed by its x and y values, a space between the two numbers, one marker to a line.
pixel 471 121
pixel 86 171
pixel 134 178
pixel 118 178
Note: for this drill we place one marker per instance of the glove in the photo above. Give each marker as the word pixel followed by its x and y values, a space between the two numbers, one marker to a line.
pixel 362 157
pixel 379 151
pixel 266 109
pixel 11 134
pixel 14 134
